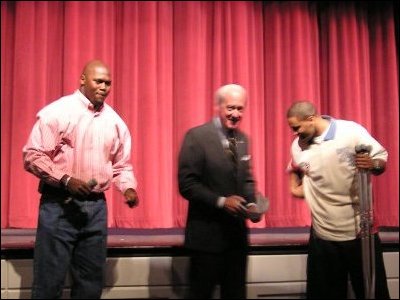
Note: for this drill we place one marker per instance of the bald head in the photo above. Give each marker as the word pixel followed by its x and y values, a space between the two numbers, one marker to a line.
pixel 301 110
pixel 92 65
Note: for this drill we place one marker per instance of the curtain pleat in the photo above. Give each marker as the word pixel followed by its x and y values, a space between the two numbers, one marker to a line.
pixel 168 57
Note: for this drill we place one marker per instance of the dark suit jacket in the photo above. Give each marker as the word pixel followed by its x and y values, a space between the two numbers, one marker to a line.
pixel 205 173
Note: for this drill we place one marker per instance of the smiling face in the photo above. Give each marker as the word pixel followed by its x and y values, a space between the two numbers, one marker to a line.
pixel 96 83
pixel 230 106
pixel 303 120
pixel 304 128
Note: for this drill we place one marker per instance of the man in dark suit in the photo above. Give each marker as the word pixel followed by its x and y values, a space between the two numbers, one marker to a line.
pixel 215 177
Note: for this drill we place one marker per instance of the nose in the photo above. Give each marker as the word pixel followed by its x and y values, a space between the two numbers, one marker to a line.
pixel 103 86
pixel 235 117
pixel 236 113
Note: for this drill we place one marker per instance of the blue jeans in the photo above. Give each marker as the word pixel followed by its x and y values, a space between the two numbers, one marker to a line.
pixel 70 237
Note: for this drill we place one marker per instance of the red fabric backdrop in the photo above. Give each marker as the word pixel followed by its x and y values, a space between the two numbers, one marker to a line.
pixel 167 58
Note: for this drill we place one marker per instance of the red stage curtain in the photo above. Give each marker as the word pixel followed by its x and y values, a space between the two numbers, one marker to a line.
pixel 168 57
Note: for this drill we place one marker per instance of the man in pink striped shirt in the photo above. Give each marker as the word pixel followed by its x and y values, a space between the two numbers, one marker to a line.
pixel 77 147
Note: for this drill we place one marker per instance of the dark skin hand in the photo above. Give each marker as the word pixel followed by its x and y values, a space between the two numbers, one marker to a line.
pixel 131 198
pixel 365 162
pixel 80 188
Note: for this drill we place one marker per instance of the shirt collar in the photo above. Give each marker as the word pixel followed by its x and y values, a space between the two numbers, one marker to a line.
pixel 226 133
pixel 329 133
pixel 86 102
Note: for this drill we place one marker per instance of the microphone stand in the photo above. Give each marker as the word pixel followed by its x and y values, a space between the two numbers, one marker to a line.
pixel 367 236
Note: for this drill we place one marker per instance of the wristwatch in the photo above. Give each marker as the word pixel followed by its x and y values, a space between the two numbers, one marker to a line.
pixel 376 165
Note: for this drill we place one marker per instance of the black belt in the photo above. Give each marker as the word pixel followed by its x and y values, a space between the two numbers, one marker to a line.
pixel 57 193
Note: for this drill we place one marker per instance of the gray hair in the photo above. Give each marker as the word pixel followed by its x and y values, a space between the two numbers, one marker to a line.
pixel 231 88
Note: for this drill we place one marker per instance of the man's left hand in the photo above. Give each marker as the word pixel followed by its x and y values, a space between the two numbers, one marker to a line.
pixel 131 197
pixel 253 214
pixel 363 161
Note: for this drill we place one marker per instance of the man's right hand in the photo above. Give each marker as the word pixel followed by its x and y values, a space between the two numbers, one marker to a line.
pixel 235 205
pixel 78 187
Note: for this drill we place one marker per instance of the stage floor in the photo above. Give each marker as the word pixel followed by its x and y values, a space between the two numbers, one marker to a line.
pixel 17 242
pixel 153 264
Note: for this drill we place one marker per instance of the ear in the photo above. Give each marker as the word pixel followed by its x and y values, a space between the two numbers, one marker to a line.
pixel 310 118
pixel 83 79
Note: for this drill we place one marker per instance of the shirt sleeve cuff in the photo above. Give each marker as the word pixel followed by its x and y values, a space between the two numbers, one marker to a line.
pixel 221 202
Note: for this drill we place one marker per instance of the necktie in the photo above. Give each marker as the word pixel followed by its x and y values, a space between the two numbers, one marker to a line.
pixel 232 151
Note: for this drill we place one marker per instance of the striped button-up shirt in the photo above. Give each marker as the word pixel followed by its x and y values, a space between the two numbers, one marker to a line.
pixel 70 137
